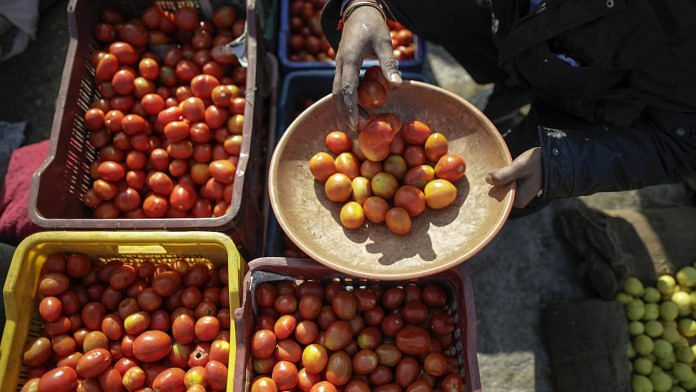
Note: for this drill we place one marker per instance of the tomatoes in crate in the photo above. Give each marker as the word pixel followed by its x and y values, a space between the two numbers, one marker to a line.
pixel 338 344
pixel 155 118
pixel 120 325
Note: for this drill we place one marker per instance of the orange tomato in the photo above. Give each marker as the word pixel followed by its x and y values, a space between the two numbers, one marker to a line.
pixel 376 134
pixel 384 185
pixel 414 156
pixel 419 176
pixel 375 209
pixel 369 168
pixel 415 132
pixel 396 166
pixel 338 187
pixel 375 154
pixel 361 189
pixel 436 146
pixel 338 142
pixel 371 94
pixel 348 164
pixel 322 166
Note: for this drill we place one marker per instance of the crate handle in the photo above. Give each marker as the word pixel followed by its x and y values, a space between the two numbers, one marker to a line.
pixel 140 249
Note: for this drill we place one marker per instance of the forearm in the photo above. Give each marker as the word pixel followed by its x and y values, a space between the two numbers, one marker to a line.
pixel 657 148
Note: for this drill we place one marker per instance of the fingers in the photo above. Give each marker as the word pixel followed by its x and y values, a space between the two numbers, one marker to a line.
pixel 526 192
pixel 336 90
pixel 348 91
pixel 383 50
pixel 506 175
pixel 527 171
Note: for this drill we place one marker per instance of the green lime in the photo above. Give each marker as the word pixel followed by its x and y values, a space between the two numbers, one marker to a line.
pixel 642 366
pixel 682 372
pixel 670 334
pixel 677 388
pixel 684 354
pixel 641 383
pixel 653 329
pixel 652 312
pixel 661 382
pixel 623 298
pixel 683 302
pixel 662 348
pixel 651 295
pixel 633 286
pixel 687 276
pixel 636 328
pixel 687 327
pixel 643 345
pixel 665 284
pixel 669 310
pixel 635 310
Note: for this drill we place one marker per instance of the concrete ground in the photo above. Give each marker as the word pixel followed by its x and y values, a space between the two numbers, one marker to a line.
pixel 526 267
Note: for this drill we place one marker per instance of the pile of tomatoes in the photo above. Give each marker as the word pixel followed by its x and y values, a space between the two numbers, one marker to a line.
pixel 406 164
pixel 168 130
pixel 119 326
pixel 306 41
pixel 324 338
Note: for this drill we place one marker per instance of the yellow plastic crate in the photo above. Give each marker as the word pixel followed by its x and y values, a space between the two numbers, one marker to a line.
pixel 162 247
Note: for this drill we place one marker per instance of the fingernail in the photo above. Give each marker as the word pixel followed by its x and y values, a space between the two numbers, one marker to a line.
pixel 395 77
pixel 489 179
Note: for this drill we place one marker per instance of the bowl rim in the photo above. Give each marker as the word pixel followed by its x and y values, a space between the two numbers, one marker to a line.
pixel 500 222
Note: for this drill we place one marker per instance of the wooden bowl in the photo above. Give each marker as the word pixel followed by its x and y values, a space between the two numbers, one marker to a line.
pixel 439 239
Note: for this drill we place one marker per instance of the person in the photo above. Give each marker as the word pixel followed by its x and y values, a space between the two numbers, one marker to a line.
pixel 612 83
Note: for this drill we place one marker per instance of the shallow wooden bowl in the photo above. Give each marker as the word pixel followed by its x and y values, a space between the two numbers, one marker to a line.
pixel 439 239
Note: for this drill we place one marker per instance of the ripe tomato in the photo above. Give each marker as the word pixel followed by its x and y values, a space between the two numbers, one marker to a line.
pixel 284 375
pixel 369 338
pixel 392 324
pixel 415 312
pixel 452 383
pixel 207 328
pixel 411 199
pixel 111 171
pixel 50 308
pixel 338 187
pixel 440 193
pixel 433 295
pixel 323 386
pixel 414 156
pixel 407 371
pixel 235 124
pixel 352 215
pixel 186 19
pixel 376 134
pixel 436 146
pixel 92 315
pixel 322 166
pixel 166 283
pixel 398 221
pixel 151 346
pixel 171 379
pixel 419 176
pixel 94 119
pixel 263 344
pixel 338 142
pixel 288 350
pixel 339 368
pixel 37 352
pixel 223 171
pixel 306 332
pixel 344 305
pixel 368 169
pixel 264 384
pixel 203 85
pixel 371 94
pixel 285 326
pixel 364 362
pixel 59 379
pixel 450 167
pixel 338 335
pixel 106 67
pixel 415 132
pixel 93 363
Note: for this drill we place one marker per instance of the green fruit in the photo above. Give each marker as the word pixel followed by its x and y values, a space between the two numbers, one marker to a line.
pixel 684 354
pixel 636 328
pixel 665 284
pixel 689 385
pixel 670 334
pixel 643 345
pixel 651 295
pixel 641 383
pixel 661 382
pixel 635 310
pixel 669 310
pixel 396 166
pixel 642 366
pixel 682 372
pixel 683 302
pixel 653 329
pixel 623 298
pixel 667 362
pixel 652 312
pixel 677 388
pixel 687 327
pixel 633 286
pixel 692 298
pixel 630 352
pixel 687 276
pixel 662 348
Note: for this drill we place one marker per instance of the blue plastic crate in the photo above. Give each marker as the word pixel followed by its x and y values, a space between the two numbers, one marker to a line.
pixel 413 65
pixel 303 85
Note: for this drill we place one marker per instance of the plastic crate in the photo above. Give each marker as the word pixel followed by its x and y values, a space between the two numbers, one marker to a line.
pixel 413 65
pixel 58 184
pixel 455 281
pixel 20 287
pixel 298 85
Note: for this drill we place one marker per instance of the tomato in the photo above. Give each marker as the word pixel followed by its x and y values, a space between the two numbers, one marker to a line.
pixel 411 199
pixel 338 142
pixel 338 335
pixel 415 132
pixel 452 383
pixel 203 85
pixel 322 166
pixel 352 215
pixel 415 312
pixel 135 34
pixel 160 320
pixel 50 308
pixel 323 386
pixel 166 283
pixel 183 329
pixel 105 32
pixel 440 193
pixel 369 338
pixel 62 379
pixel 69 360
pixel 224 16
pixel 263 344
pixel 94 119
pixel 155 206
pixel 384 185
pixel 223 171
pixel 193 109
pixel 285 326
pixel 206 328
pixel 212 190
pixel 371 94
pixel 288 350
pixel 264 384
pixel 344 305
pixel 171 379
pixel 107 67
pixel 364 362
pixel 53 283
pixel 375 209
pixel 180 354
pixel 235 124
pixel 136 322
pixel 200 356
pixel 55 262
pixel 285 304
pixel 376 134
pixel 407 371
pixel 398 221
pixel 450 167
pixel 306 332
pixel 414 156
pixel 112 327
pixel 122 276
pixel 381 375
pixel 368 169
pixel 233 144
pixel 305 379
pixel 151 346
pixel 111 171
pixel 338 187
pixel 436 146
pixel 186 70
pixel 419 176
pixel 94 340
pixel 285 375
pixel 310 307
pixel 339 368
pixel 70 302
pixel 37 352
pixel 220 351
pixel 396 166
pixel 191 296
pixel 92 315
pixel 264 366
pixel 442 324
pixel 346 163
pixel 186 19
pixel 388 354
pixel 93 363
pixel 134 378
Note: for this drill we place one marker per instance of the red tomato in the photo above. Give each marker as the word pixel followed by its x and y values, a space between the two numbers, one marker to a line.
pixel 186 19
pixel 263 344
pixel 288 350
pixel 62 379
pixel 183 329
pixel 93 363
pixel 50 308
pixel 285 375
pixel 152 346
pixel 171 379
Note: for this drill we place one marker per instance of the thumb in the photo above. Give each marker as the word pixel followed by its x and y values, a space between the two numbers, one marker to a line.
pixel 505 175
pixel 383 50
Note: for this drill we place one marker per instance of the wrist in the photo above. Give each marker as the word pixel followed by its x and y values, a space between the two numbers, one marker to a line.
pixel 352 5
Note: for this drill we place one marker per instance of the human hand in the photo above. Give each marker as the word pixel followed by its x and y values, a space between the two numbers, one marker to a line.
pixel 527 171
pixel 364 33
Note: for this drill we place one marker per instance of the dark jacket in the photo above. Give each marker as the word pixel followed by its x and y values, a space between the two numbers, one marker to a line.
pixel 632 99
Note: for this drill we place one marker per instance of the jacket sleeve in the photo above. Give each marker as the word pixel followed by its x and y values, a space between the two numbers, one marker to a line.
pixel 659 147
pixel 331 15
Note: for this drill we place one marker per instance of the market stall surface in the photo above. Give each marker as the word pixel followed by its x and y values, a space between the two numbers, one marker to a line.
pixel 526 267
